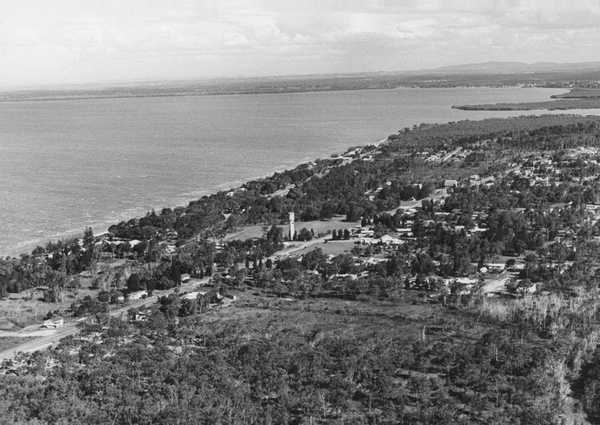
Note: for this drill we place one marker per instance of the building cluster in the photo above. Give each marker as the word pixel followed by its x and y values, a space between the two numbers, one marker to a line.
pixel 574 170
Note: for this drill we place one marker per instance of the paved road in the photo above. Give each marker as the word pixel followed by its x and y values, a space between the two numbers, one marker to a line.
pixel 297 246
pixel 72 328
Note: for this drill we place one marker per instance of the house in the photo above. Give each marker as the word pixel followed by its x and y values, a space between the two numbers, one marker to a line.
pixel 137 295
pixel 527 288
pixel 405 231
pixel 192 295
pixel 53 323
pixel 390 240
pixel 517 267
pixel 140 316
pixel 374 260
pixel 106 256
pixel 368 241
pixel 350 276
pixel 593 208
pixel 466 281
pixel 450 183
pixel 496 267
pixel 169 249
pixel 488 181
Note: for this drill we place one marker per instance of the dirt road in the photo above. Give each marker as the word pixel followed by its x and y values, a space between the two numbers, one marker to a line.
pixel 45 338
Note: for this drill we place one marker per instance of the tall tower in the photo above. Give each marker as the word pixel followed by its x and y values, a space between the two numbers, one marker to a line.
pixel 292 229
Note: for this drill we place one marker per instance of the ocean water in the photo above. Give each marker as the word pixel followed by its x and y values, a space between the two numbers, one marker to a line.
pixel 65 165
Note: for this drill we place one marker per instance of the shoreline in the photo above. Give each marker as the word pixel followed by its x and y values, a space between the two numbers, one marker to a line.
pixel 26 247
pixel 101 227
pixel 571 100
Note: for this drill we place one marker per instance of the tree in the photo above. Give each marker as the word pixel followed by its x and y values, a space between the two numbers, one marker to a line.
pixel 304 235
pixel 344 263
pixel 104 296
pixel 354 212
pixel 134 283
pixel 314 259
pixel 170 306
pixel 88 238
pixel 422 264
pixel 187 308
pixel 275 235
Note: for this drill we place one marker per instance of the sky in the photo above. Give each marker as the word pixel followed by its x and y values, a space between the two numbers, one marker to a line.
pixel 64 42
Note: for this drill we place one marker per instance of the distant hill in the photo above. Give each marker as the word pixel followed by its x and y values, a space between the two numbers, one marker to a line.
pixel 513 68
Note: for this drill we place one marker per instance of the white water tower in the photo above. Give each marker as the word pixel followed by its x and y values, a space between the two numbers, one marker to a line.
pixel 292 229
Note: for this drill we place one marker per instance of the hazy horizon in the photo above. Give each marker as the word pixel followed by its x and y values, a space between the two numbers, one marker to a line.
pixel 66 43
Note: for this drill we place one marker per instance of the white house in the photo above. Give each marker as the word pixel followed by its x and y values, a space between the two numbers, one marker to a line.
pixel 450 183
pixel 192 295
pixel 390 240
pixel 496 267
pixel 137 295
pixel 53 323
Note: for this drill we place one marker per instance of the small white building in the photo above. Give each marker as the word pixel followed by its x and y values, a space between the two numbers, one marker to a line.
pixel 137 295
pixel 450 183
pixel 496 267
pixel 390 240
pixel 192 295
pixel 53 323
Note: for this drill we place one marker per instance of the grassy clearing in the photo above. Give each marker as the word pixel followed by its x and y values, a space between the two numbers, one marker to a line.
pixel 540 310
pixel 319 226
pixel 28 307
pixel 7 343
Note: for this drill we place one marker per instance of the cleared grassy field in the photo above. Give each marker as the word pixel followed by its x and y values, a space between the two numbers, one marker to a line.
pixel 10 342
pixel 254 311
pixel 27 308
pixel 319 226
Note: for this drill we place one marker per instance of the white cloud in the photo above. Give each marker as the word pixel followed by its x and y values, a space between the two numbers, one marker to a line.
pixel 69 41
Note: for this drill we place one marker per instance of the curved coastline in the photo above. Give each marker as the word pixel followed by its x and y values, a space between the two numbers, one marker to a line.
pixel 114 215
pixel 180 200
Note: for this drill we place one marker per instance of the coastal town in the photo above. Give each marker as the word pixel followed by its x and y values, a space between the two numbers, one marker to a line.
pixel 435 226
pixel 258 212
pixel 398 242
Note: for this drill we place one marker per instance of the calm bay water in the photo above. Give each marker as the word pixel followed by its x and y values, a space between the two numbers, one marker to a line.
pixel 65 165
